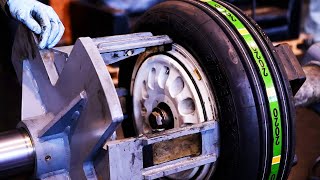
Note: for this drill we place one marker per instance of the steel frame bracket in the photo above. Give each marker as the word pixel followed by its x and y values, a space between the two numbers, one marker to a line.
pixel 70 106
pixel 128 153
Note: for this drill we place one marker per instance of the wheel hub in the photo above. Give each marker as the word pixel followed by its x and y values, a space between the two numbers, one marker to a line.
pixel 170 91
pixel 161 118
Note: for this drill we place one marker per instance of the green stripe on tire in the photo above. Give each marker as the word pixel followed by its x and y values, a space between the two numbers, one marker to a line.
pixel 267 80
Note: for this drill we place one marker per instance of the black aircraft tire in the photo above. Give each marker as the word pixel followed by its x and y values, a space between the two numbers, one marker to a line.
pixel 255 119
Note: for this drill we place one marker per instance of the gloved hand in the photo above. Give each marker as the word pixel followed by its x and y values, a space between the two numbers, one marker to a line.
pixel 39 18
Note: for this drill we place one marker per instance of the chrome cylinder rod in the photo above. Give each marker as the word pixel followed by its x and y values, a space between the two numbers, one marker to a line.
pixel 16 151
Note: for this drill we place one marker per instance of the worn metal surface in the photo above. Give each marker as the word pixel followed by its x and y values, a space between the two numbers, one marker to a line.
pixel 176 148
pixel 309 93
pixel 76 108
pixel 313 54
pixel 127 154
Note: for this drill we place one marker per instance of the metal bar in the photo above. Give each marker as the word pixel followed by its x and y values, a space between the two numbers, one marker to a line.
pixel 130 151
pixel 99 40
pixel 16 151
pixel 168 169
pixel 134 43
pixel 116 48
pixel 175 133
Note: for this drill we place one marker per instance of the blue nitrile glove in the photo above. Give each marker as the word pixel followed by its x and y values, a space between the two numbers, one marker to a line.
pixel 39 18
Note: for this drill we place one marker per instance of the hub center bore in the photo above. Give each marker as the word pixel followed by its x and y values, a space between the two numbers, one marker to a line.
pixel 161 118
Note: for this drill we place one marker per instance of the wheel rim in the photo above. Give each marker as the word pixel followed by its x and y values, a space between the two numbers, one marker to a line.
pixel 169 91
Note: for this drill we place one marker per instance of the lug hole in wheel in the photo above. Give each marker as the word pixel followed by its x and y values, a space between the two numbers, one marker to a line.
pixel 176 87
pixel 186 106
